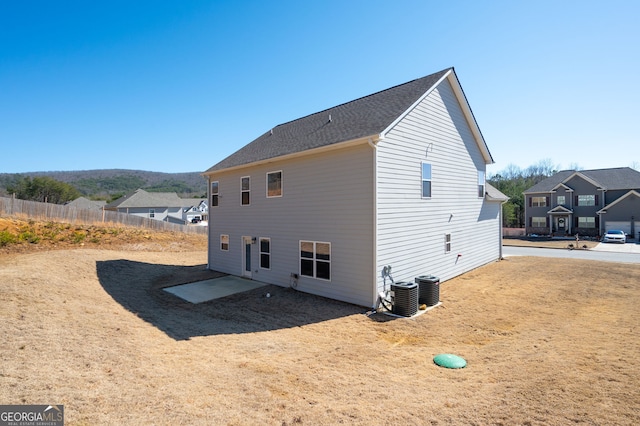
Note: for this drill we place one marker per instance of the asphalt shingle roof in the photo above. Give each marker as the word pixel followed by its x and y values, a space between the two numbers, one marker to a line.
pixel 611 179
pixel 363 117
pixel 142 198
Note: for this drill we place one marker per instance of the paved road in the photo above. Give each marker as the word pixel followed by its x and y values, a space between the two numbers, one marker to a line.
pixel 594 254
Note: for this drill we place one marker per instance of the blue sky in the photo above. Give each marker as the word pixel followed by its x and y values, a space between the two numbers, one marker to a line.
pixel 176 86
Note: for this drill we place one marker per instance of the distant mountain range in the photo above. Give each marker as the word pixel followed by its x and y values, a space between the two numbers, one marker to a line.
pixel 109 182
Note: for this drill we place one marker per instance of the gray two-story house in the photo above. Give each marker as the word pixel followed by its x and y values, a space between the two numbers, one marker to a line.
pixel 584 202
pixel 325 202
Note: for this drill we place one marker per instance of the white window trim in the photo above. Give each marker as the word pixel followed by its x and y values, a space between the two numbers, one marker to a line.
pixel 217 193
pixel 281 184
pixel 540 219
pixel 242 190
pixel 314 259
pixel 591 198
pixel 539 203
pixel 221 243
pixel 447 242
pixel 152 213
pixel 260 252
pixel 481 183
pixel 422 180
pixel 591 221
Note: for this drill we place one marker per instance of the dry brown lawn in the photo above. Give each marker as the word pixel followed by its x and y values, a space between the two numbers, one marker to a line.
pixel 548 342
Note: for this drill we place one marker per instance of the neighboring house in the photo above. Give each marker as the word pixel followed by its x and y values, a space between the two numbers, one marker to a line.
pixel 198 209
pixel 164 206
pixel 584 202
pixel 83 203
pixel 325 202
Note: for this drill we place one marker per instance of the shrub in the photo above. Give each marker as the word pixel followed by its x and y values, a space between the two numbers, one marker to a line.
pixel 79 236
pixel 29 237
pixel 7 238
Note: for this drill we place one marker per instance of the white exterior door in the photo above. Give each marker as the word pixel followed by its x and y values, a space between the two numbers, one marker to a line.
pixel 246 257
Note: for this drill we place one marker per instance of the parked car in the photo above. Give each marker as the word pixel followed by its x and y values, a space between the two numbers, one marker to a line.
pixel 614 236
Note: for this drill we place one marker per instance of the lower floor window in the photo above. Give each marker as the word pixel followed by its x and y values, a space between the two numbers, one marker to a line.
pixel 538 222
pixel 447 243
pixel 315 259
pixel 586 222
pixel 265 253
pixel 224 242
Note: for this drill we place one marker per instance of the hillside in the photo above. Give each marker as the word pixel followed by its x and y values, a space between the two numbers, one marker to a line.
pixel 24 236
pixel 108 182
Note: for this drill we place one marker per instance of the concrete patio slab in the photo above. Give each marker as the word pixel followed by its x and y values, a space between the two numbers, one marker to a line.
pixel 203 291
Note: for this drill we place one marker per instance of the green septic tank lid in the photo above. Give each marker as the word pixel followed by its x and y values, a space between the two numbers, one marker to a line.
pixel 449 361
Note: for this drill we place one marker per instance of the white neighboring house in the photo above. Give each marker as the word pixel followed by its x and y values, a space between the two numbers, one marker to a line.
pixel 326 201
pixel 197 210
pixel 164 206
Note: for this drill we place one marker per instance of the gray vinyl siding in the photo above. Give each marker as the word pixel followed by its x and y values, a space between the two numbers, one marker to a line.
pixel 411 230
pixel 624 211
pixel 327 197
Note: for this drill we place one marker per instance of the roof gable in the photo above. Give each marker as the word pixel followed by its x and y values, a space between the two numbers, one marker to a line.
pixel 631 193
pixel 366 117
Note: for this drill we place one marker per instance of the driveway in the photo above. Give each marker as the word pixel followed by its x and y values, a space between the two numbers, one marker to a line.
pixel 618 248
pixel 621 253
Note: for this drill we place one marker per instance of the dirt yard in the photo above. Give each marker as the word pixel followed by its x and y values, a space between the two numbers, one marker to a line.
pixel 548 342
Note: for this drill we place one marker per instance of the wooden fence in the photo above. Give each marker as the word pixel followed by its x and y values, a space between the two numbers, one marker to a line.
pixel 69 214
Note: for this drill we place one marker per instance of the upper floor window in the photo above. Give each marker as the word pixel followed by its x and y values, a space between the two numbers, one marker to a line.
pixel 274 184
pixel 426 180
pixel 245 183
pixel 586 200
pixel 214 194
pixel 561 200
pixel 538 201
pixel 480 183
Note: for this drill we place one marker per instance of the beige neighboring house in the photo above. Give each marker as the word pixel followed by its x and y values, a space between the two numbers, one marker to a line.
pixel 83 203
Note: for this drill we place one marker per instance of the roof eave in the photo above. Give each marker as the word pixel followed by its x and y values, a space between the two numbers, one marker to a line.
pixel 332 147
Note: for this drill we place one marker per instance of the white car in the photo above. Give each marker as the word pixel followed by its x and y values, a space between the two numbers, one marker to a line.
pixel 614 236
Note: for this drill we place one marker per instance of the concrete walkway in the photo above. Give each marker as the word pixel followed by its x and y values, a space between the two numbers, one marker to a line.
pixel 203 291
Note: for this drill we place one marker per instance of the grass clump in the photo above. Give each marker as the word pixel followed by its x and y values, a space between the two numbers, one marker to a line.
pixel 7 238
